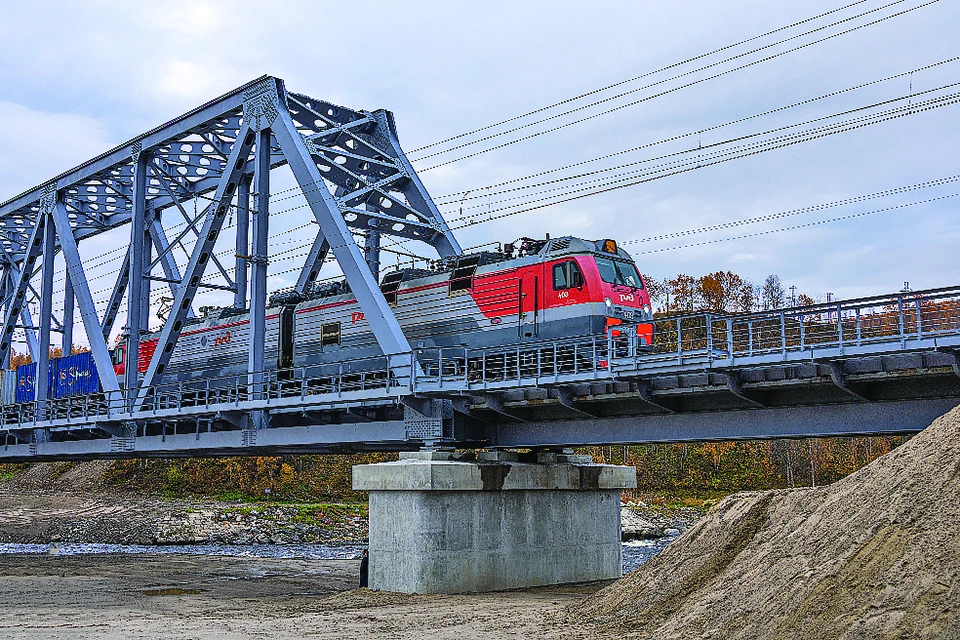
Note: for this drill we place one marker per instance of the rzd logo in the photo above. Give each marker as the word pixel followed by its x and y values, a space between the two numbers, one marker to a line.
pixel 221 340
pixel 356 317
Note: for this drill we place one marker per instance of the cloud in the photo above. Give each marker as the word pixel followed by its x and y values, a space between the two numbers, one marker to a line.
pixel 76 79
pixel 38 145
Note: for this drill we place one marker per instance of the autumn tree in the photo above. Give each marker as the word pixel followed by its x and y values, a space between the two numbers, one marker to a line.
pixel 724 291
pixel 772 293
pixel 17 358
pixel 681 293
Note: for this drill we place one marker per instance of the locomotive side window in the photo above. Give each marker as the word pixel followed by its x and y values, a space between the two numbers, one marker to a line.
pixel 567 275
pixel 330 334
pixel 117 356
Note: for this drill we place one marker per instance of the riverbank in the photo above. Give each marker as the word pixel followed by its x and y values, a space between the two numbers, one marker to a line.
pixel 31 512
pixel 206 597
pixel 65 517
pixel 875 555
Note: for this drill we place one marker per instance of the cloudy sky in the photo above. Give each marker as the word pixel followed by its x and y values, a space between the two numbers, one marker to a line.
pixel 77 78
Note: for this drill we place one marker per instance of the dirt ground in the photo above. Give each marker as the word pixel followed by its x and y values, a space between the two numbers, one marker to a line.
pixel 191 597
pixel 875 555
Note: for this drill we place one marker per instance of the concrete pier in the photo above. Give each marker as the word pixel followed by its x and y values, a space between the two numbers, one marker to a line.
pixel 441 525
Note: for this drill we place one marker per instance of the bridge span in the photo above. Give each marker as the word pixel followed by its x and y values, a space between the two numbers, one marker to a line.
pixel 879 365
pixel 872 366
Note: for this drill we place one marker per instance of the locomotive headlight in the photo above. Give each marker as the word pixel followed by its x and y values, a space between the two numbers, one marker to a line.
pixel 608 302
pixel 646 308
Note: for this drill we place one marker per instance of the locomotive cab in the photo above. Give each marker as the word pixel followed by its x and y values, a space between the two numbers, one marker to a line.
pixel 624 295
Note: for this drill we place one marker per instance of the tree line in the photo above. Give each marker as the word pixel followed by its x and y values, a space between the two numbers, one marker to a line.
pixel 721 292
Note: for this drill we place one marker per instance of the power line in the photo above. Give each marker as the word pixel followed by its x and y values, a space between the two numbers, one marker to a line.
pixel 677 166
pixel 938 182
pixel 700 150
pixel 667 91
pixel 800 226
pixel 459 196
pixel 635 78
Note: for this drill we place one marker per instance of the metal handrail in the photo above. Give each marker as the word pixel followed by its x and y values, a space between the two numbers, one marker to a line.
pixel 907 320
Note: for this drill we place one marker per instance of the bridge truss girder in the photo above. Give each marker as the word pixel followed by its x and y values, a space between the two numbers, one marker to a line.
pixel 348 164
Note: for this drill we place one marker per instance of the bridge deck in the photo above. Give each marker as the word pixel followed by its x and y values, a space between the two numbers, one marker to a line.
pixel 887 364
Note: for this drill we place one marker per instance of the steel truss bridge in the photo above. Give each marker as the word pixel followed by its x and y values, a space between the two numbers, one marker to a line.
pixel 880 365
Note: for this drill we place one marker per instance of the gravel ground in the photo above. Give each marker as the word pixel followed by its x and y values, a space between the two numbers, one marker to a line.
pixel 209 597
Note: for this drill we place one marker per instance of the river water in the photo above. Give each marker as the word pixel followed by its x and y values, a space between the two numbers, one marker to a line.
pixel 635 552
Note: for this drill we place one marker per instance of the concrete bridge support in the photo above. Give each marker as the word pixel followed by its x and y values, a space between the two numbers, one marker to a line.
pixel 442 525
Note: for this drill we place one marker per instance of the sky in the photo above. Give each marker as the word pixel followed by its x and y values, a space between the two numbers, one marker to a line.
pixel 77 78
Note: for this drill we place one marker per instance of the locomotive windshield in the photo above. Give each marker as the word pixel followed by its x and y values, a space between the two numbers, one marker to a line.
pixel 617 272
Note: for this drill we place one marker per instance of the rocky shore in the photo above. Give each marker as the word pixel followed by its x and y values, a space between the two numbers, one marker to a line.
pixel 640 521
pixel 71 504
pixel 72 518
pixel 111 519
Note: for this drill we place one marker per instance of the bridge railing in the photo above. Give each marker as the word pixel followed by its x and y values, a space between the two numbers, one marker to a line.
pixel 903 321
pixel 903 317
pixel 699 340
pixel 330 383
pixel 584 358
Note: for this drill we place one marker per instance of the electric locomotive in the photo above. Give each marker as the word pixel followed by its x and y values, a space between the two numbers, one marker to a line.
pixel 532 291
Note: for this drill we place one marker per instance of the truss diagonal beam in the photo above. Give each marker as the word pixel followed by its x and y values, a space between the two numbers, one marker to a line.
pixel 198 260
pixel 170 268
pixel 33 345
pixel 311 267
pixel 377 312
pixel 116 297
pixel 414 191
pixel 21 282
pixel 88 311
pixel 242 248
pixel 11 274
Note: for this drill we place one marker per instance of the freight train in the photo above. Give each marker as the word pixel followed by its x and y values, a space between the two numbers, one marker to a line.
pixel 529 291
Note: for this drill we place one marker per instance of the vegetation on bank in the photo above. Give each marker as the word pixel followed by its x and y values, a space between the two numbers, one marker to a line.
pixel 296 479
pixel 669 476
pixel 689 474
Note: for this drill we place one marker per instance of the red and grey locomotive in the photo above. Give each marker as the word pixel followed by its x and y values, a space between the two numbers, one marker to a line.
pixel 542 290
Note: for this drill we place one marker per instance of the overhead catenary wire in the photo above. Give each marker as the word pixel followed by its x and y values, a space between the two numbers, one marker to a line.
pixel 633 79
pixel 700 149
pixel 665 92
pixel 796 227
pixel 786 27
pixel 938 182
pixel 458 197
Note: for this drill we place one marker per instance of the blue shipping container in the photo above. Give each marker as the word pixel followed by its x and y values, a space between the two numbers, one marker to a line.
pixel 76 375
pixel 27 381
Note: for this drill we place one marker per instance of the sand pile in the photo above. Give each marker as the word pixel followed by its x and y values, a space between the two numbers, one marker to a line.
pixel 876 555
